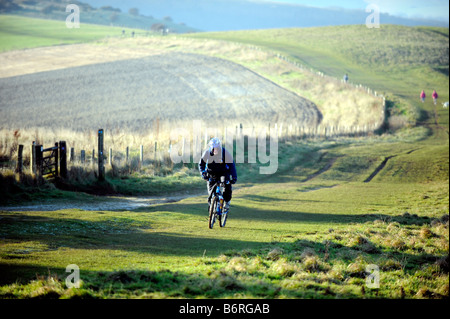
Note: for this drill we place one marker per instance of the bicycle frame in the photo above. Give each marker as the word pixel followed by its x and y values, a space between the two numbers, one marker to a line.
pixel 218 212
pixel 219 186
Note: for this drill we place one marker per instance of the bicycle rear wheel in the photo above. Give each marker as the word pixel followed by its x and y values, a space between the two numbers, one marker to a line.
pixel 212 212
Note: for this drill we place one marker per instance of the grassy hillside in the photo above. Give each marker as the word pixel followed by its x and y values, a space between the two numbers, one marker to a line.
pixel 284 239
pixel 334 207
pixel 18 33
pixel 344 49
pixel 396 61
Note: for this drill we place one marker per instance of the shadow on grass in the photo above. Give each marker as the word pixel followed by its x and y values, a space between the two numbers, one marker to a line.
pixel 17 265
pixel 111 234
pixel 239 212
pixel 134 235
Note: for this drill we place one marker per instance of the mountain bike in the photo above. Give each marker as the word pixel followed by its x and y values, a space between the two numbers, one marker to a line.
pixel 216 209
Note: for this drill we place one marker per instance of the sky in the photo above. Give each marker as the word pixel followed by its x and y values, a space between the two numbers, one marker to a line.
pixel 422 9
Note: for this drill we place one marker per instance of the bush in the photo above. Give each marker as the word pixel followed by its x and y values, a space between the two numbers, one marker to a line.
pixel 275 254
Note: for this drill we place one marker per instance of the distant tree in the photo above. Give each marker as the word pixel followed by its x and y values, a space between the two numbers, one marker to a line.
pixel 157 27
pixel 84 7
pixel 7 6
pixel 168 19
pixel 109 8
pixel 114 17
pixel 134 11
pixel 29 2
pixel 49 9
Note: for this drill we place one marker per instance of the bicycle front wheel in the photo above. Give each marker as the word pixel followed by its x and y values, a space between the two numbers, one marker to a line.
pixel 223 220
pixel 212 212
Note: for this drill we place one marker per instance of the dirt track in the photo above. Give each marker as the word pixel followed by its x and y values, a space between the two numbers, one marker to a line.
pixel 107 203
pixel 132 93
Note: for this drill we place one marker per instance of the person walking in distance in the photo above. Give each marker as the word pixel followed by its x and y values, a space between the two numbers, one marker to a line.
pixel 423 96
pixel 435 97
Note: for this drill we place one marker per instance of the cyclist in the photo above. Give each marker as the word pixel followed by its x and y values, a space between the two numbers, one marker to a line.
pixel 215 162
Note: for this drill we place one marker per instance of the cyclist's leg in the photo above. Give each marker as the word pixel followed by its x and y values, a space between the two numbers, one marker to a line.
pixel 210 188
pixel 227 196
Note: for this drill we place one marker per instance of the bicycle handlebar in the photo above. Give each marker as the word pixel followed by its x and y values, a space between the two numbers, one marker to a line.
pixel 218 181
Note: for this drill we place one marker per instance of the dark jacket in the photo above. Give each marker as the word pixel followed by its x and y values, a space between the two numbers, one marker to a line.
pixel 218 165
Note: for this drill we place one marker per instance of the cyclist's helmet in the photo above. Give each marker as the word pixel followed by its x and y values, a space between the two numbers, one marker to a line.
pixel 215 143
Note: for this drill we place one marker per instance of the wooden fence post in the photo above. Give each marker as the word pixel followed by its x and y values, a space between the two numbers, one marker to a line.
pixel 110 156
pixel 33 158
pixel 101 166
pixel 62 159
pixel 38 152
pixel 127 153
pixel 141 154
pixel 20 160
pixel 56 159
pixel 83 156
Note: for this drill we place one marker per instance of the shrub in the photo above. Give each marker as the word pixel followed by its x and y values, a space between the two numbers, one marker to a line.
pixel 399 244
pixel 308 252
pixel 443 264
pixel 238 264
pixel 426 233
pixel 283 268
pixel 274 254
pixel 314 264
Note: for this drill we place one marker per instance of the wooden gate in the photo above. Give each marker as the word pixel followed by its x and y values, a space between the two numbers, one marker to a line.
pixel 49 162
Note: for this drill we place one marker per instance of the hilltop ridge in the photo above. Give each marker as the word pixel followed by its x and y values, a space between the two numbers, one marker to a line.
pixel 103 15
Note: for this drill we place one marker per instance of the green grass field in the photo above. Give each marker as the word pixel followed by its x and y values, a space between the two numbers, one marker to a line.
pixel 284 239
pixel 308 231
pixel 396 61
pixel 17 33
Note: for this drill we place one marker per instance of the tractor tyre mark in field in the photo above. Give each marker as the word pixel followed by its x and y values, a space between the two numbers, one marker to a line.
pixel 329 164
pixel 383 164
pixel 379 168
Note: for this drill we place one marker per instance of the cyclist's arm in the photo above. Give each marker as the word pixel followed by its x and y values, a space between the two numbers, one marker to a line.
pixel 232 171
pixel 202 162
pixel 201 165
pixel 231 165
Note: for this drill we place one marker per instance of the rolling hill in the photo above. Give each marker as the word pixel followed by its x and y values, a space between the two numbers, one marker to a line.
pixel 103 15
pixel 228 15
pixel 337 207
pixel 396 61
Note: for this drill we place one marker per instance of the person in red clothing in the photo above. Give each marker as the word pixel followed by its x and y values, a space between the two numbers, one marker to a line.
pixel 434 96
pixel 423 96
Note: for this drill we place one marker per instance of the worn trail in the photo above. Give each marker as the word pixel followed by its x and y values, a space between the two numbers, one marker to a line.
pixel 108 203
